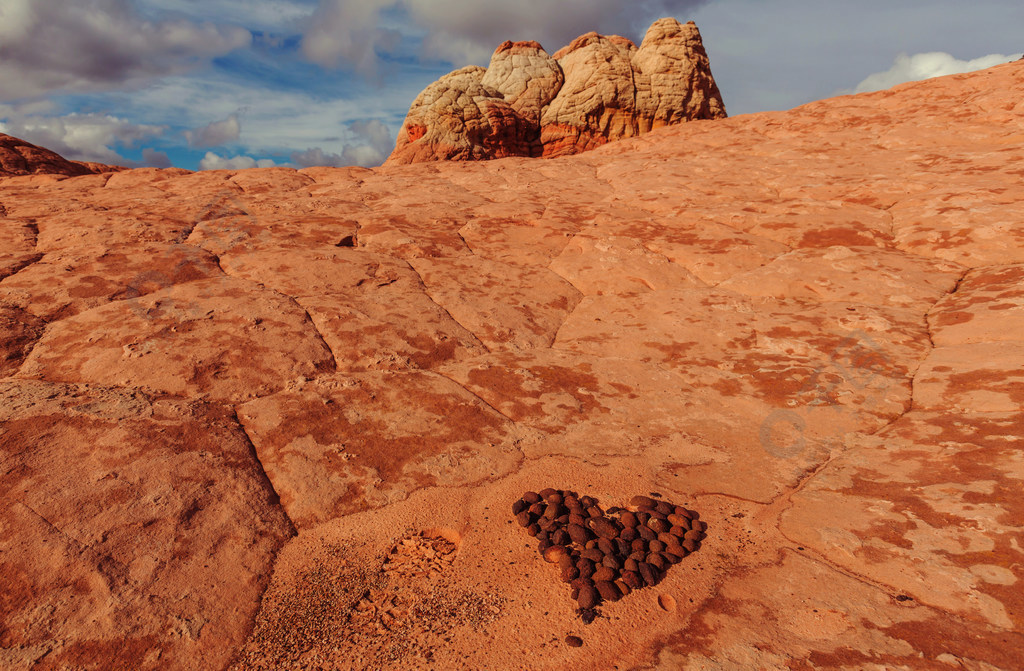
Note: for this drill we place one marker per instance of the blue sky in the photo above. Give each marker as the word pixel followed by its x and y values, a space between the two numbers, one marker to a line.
pixel 241 83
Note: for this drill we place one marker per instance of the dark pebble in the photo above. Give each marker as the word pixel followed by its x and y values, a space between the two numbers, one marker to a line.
pixel 633 579
pixel 569 573
pixel 692 546
pixel 531 497
pixel 554 553
pixel 588 597
pixel 543 536
pixel 628 519
pixel 562 519
pixel 588 615
pixel 642 518
pixel 639 555
pixel 678 532
pixel 561 537
pixel 694 535
pixel 524 518
pixel 573 641
pixel 554 499
pixel 642 502
pixel 647 533
pixel 658 526
pixel 624 589
pixel 593 554
pixel 533 529
pixel 604 574
pixel 594 511
pixel 586 568
pixel 649 574
pixel 602 526
pixel 665 508
pixel 519 506
pixel 613 510
pixel 545 493
pixel 631 564
pixel 608 591
pixel 629 534
pixel 622 547
pixel 577 533
pixel 554 511
pixel 577 519
pixel 587 501
pixel 538 509
pixel 611 562
pixel 668 539
pixel 679 521
pixel 655 546
pixel 606 546
pixel 639 545
pixel 566 560
pixel 656 560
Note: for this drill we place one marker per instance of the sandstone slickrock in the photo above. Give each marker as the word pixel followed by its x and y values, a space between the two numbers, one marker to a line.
pixel 595 90
pixel 18 157
pixel 804 322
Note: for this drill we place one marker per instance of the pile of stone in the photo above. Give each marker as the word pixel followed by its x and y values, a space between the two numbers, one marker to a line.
pixel 605 556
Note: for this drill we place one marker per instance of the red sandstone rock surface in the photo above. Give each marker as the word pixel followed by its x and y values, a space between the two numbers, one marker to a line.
pixel 245 417
pixel 595 90
pixel 18 157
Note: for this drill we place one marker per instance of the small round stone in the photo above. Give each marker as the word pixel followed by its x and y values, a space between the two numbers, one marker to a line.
pixel 678 520
pixel 633 579
pixel 650 574
pixel 543 546
pixel 554 511
pixel 606 546
pixel 561 537
pixel 554 553
pixel 682 511
pixel 630 564
pixel 656 560
pixel 622 547
pixel 611 562
pixel 577 519
pixel 694 535
pixel 668 539
pixel 569 573
pixel 624 589
pixel 647 533
pixel 538 509
pixel 519 506
pixel 566 560
pixel 604 527
pixel 533 529
pixel 554 499
pixel 577 533
pixel 629 534
pixel 543 536
pixel 655 546
pixel 658 526
pixel 608 591
pixel 692 546
pixel 628 519
pixel 587 501
pixel 586 568
pixel 531 497
pixel 524 518
pixel 639 545
pixel 573 641
pixel 605 574
pixel 642 502
pixel 594 511
pixel 665 508
pixel 678 532
pixel 545 493
pixel 593 554
pixel 588 597
pixel 666 602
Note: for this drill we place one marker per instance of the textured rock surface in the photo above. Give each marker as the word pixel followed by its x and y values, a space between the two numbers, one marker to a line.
pixel 805 323
pixel 595 90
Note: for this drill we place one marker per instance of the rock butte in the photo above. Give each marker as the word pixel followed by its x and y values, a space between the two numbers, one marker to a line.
pixel 596 90
pixel 226 396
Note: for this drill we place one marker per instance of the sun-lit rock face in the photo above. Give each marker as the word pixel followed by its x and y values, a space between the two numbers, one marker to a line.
pixel 270 418
pixel 595 90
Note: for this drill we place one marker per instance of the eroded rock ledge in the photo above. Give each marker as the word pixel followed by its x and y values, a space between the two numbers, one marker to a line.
pixel 595 90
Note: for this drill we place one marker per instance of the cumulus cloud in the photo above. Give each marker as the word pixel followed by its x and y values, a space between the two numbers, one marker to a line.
pixel 369 144
pixel 345 32
pixel 81 137
pixel 925 66
pixel 216 133
pixel 152 158
pixel 54 45
pixel 214 162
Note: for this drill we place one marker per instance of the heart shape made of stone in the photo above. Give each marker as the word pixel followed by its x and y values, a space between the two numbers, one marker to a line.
pixel 606 555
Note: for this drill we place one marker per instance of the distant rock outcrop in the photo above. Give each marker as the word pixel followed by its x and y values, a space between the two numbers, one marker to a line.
pixel 593 91
pixel 18 157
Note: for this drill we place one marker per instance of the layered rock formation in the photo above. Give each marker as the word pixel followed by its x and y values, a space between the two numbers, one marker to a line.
pixel 18 157
pixel 273 419
pixel 596 90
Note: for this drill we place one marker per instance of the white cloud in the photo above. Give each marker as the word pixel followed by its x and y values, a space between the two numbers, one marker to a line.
pixel 155 159
pixel 925 66
pixel 55 45
pixel 214 162
pixel 369 144
pixel 216 133
pixel 341 31
pixel 80 137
